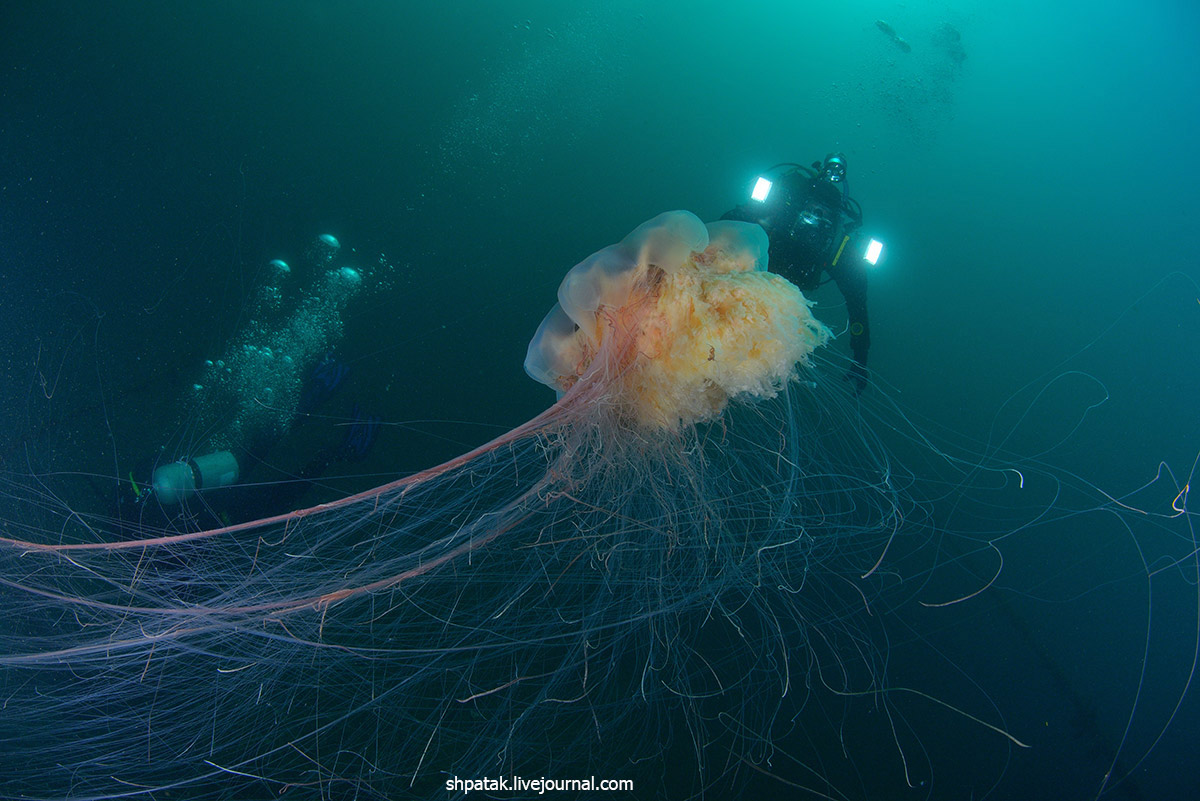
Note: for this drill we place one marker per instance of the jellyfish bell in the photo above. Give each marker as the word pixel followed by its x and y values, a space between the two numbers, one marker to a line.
pixel 674 321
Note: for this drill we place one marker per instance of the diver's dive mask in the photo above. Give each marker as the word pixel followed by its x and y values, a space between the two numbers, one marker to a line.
pixel 834 169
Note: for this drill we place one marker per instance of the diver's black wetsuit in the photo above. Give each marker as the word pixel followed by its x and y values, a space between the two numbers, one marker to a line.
pixel 812 229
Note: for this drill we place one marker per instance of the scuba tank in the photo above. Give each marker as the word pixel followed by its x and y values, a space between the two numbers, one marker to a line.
pixel 177 481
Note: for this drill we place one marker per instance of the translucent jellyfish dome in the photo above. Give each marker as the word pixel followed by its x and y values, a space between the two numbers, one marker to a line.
pixel 674 321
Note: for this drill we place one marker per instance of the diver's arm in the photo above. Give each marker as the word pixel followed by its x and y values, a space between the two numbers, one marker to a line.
pixel 850 275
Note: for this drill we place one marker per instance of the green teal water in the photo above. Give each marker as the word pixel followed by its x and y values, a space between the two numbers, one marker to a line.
pixel 1031 170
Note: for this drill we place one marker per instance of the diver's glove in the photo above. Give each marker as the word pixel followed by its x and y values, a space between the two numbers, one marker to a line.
pixel 857 376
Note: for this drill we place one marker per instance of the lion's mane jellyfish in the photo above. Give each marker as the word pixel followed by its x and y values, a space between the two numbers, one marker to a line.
pixel 665 327
pixel 645 581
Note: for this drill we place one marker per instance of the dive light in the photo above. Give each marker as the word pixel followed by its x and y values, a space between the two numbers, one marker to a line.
pixel 874 248
pixel 762 188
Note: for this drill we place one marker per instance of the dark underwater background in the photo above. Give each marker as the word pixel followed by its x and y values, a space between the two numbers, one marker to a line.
pixel 1031 168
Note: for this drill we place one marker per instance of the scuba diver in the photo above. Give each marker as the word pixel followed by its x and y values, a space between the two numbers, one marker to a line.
pixel 812 224
pixel 263 405
pixel 250 476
